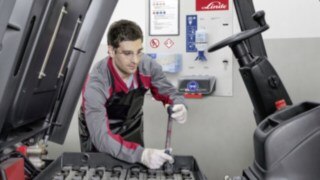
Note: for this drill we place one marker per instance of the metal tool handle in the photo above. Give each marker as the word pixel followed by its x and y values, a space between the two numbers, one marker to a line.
pixel 168 167
pixel 169 130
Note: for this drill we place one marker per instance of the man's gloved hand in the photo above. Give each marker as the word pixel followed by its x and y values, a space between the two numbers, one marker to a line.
pixel 179 113
pixel 154 158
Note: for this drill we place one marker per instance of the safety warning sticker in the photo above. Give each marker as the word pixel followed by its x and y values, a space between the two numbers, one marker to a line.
pixel 169 43
pixel 154 43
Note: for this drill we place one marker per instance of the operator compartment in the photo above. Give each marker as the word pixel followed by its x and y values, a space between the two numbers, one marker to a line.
pixel 285 140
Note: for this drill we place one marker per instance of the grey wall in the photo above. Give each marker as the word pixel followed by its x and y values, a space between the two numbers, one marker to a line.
pixel 219 129
pixel 298 63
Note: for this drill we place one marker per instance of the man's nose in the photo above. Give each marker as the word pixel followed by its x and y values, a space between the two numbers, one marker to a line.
pixel 135 58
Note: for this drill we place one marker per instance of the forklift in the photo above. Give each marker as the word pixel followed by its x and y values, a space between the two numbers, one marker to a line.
pixel 286 140
pixel 37 102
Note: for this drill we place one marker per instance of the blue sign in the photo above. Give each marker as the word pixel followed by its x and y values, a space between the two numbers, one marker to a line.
pixel 191 28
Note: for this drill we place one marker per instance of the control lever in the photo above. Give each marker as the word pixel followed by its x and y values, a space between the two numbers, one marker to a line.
pixel 168 167
pixel 259 17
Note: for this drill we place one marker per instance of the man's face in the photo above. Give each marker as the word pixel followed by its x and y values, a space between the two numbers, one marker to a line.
pixel 126 57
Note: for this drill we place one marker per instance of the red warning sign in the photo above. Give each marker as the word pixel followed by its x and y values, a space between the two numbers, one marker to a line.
pixel 154 43
pixel 169 43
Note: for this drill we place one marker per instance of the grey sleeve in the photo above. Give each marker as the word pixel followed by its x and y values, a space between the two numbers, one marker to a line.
pixel 161 88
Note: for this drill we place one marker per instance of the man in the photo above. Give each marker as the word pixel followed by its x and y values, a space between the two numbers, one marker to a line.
pixel 111 113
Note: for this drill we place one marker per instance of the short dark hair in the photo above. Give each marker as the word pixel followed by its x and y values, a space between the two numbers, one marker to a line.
pixel 123 30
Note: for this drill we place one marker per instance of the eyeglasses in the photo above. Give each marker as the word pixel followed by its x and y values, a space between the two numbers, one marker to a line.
pixel 130 54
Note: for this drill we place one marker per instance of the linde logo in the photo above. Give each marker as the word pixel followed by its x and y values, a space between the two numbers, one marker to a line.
pixel 215 6
pixel 205 5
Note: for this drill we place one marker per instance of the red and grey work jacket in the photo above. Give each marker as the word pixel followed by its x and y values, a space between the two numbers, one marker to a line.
pixel 110 118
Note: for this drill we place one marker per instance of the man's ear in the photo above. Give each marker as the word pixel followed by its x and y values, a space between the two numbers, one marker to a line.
pixel 111 51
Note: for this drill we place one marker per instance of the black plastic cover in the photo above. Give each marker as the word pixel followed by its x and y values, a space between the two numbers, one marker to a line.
pixel 21 23
pixel 287 144
pixel 47 47
pixel 264 87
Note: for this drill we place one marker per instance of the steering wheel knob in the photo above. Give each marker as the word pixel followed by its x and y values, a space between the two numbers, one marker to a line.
pixel 259 17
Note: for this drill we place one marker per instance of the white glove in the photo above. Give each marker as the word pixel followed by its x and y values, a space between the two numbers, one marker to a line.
pixel 154 158
pixel 179 113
